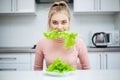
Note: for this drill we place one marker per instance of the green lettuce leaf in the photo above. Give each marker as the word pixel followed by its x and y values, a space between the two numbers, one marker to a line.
pixel 59 66
pixel 69 37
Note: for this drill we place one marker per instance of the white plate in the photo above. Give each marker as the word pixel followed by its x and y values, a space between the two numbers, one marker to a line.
pixel 59 74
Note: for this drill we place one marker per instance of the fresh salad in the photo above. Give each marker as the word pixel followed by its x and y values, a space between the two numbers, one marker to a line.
pixel 69 37
pixel 59 66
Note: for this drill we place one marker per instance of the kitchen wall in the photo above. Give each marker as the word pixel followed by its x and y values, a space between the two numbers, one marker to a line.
pixel 25 30
pixel 117 21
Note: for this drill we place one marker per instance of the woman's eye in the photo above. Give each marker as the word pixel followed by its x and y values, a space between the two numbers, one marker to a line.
pixel 55 22
pixel 64 22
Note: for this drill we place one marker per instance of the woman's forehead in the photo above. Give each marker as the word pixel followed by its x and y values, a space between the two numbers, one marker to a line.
pixel 59 16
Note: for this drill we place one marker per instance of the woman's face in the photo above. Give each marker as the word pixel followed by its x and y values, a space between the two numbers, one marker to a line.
pixel 59 21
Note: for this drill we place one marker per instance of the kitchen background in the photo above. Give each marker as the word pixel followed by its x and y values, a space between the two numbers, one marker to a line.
pixel 22 30
pixel 22 23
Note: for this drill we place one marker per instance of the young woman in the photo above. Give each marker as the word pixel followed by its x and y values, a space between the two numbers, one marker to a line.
pixel 59 19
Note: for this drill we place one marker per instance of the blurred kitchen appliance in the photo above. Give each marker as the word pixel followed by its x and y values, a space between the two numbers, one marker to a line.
pixel 34 46
pixel 104 39
pixel 100 39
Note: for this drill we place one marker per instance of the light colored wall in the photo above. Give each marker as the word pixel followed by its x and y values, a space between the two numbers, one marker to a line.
pixel 117 21
pixel 25 31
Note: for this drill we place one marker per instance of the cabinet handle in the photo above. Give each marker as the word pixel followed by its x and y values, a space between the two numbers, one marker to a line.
pixel 94 4
pixel 100 4
pixel 7 58
pixel 100 61
pixel 16 5
pixel 106 61
pixel 11 5
pixel 8 69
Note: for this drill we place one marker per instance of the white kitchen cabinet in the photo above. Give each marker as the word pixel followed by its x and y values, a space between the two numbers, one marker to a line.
pixel 15 67
pixel 96 5
pixel 32 60
pixel 104 60
pixel 15 61
pixel 112 60
pixel 14 58
pixel 95 60
pixel 5 6
pixel 25 6
pixel 17 6
pixel 84 5
pixel 109 5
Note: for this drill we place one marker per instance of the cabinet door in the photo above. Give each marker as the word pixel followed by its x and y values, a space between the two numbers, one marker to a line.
pixel 95 60
pixel 5 6
pixel 14 67
pixel 32 60
pixel 109 5
pixel 14 61
pixel 113 60
pixel 14 58
pixel 84 5
pixel 25 6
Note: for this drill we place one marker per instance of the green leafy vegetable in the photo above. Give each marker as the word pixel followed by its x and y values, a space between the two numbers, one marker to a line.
pixel 69 37
pixel 59 66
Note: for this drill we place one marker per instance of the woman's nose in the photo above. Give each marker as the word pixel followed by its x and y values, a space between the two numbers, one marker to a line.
pixel 60 27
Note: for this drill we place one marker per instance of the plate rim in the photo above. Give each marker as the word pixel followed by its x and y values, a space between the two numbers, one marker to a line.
pixel 58 74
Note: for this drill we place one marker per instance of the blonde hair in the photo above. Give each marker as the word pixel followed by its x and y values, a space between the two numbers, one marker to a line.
pixel 58 7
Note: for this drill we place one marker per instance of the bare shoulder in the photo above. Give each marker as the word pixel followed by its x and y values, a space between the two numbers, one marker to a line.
pixel 41 41
pixel 79 40
pixel 80 44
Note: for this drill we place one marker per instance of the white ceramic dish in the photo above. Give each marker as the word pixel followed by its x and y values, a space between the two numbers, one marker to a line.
pixel 59 74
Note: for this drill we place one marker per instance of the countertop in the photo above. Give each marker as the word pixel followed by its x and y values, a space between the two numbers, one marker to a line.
pixel 17 50
pixel 31 50
pixel 107 49
pixel 77 75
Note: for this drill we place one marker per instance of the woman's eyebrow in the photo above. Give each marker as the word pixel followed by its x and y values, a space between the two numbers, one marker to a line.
pixel 60 20
pixel 53 20
pixel 64 20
